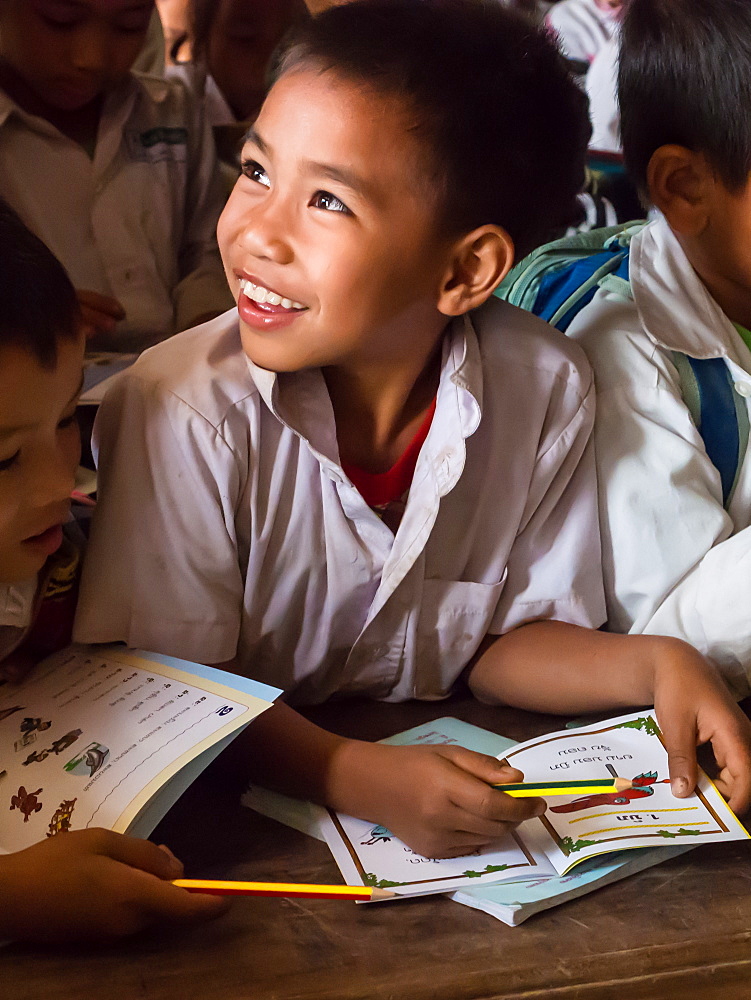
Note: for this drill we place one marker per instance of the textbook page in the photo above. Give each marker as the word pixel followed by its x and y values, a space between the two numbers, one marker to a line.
pixel 574 827
pixel 371 855
pixel 103 736
pixel 577 827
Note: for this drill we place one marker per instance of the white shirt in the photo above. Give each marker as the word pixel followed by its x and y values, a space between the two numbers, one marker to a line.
pixel 602 90
pixel 204 89
pixel 138 221
pixel 582 28
pixel 674 560
pixel 227 525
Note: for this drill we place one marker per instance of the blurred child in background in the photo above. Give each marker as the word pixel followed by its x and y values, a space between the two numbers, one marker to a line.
pixel 114 170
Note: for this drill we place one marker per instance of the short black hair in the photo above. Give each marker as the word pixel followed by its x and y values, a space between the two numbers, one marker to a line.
pixel 504 125
pixel 38 303
pixel 684 78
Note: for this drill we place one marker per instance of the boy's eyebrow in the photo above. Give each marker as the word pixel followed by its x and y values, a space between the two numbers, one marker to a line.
pixel 333 172
pixel 17 428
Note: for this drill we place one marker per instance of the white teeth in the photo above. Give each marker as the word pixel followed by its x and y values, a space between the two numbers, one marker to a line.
pixel 260 294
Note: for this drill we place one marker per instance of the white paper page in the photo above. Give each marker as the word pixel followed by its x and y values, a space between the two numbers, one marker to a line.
pixel 371 855
pixel 576 827
pixel 91 736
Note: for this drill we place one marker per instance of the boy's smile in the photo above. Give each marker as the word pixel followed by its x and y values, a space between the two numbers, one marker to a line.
pixel 329 239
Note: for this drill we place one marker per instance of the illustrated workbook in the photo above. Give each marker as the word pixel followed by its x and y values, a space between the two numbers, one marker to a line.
pixel 574 827
pixel 102 736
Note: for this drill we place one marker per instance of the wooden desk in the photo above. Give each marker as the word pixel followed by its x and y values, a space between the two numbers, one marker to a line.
pixel 681 929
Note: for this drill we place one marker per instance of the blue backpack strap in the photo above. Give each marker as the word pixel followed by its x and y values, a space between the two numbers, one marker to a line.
pixel 564 293
pixel 722 423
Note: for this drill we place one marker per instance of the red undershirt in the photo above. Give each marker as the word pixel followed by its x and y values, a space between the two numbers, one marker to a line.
pixel 380 490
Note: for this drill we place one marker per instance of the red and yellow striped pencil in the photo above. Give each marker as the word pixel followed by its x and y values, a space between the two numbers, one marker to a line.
pixel 219 888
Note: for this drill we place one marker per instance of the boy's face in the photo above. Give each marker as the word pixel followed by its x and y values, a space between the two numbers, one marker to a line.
pixel 241 43
pixel 70 51
pixel 612 7
pixel 39 452
pixel 333 217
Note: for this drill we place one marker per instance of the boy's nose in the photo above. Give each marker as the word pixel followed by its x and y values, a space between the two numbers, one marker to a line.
pixel 91 50
pixel 266 234
pixel 55 477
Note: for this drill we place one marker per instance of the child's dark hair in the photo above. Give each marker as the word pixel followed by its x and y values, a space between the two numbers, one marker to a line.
pixel 38 303
pixel 201 15
pixel 504 127
pixel 685 78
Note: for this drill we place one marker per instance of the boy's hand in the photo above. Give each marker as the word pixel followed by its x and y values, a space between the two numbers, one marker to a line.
pixel 437 799
pixel 93 884
pixel 693 706
pixel 99 313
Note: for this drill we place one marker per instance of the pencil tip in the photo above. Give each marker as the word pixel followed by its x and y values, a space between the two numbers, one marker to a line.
pixel 383 894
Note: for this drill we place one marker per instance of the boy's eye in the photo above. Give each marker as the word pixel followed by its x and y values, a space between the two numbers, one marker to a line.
pixel 255 172
pixel 328 202
pixel 7 463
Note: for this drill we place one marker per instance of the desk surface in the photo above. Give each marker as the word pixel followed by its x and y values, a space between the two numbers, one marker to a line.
pixel 680 929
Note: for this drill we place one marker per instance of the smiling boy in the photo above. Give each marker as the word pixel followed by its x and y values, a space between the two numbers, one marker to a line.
pixel 372 478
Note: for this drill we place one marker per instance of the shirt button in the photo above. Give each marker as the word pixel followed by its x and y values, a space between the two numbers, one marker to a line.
pixel 743 389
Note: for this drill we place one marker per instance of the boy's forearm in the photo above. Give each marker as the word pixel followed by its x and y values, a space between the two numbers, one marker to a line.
pixel 559 668
pixel 283 751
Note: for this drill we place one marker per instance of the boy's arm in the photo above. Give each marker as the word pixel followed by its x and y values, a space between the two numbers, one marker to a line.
pixel 555 667
pixel 437 799
pixel 93 884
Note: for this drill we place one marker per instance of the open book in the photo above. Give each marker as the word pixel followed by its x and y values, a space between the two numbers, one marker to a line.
pixel 102 736
pixel 574 828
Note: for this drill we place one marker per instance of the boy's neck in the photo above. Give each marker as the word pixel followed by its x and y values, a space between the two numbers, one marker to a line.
pixel 80 126
pixel 378 413
pixel 732 295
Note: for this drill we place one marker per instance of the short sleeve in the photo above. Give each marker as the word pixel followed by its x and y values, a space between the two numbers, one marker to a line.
pixel 162 569
pixel 554 568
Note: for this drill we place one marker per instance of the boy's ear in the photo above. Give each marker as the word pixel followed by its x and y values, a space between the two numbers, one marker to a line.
pixel 479 261
pixel 681 184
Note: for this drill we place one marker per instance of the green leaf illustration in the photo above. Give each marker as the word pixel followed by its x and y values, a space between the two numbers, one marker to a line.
pixel 646 724
pixel 485 871
pixel 682 832
pixel 571 846
pixel 380 883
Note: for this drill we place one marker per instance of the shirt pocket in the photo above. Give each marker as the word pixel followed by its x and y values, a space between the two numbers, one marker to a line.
pixel 454 619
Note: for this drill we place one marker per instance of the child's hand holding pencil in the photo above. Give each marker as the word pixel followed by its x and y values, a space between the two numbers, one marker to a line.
pixel 442 801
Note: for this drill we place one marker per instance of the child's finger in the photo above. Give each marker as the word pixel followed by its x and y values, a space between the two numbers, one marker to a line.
pixel 99 303
pixel 679 732
pixel 481 765
pixel 136 853
pixel 734 779
pixel 170 902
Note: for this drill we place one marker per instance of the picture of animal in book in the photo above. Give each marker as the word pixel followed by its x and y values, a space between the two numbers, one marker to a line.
pixel 26 802
pixel 642 787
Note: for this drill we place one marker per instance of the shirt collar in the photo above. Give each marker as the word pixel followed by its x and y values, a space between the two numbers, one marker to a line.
pixel 17 603
pixel 301 401
pixel 674 305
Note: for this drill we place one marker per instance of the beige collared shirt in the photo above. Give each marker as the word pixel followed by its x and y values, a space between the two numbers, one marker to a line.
pixel 137 221
pixel 226 524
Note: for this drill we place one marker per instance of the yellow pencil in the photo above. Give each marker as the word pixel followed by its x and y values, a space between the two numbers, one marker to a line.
pixel 218 888
pixel 543 789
